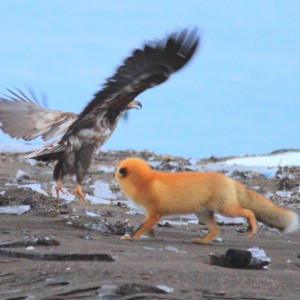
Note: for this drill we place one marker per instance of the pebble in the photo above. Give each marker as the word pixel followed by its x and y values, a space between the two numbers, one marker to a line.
pixel 29 248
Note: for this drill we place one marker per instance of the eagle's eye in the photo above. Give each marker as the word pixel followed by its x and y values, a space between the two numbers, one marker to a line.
pixel 123 171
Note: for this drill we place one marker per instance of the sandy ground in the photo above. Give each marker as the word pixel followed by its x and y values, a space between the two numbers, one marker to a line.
pixel 52 251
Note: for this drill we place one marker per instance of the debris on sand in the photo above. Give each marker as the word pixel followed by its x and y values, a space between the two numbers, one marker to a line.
pixel 253 258
pixel 57 256
pixel 7 250
pixel 100 225
pixel 138 291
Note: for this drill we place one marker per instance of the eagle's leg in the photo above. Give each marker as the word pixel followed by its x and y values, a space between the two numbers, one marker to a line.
pixel 58 189
pixel 78 191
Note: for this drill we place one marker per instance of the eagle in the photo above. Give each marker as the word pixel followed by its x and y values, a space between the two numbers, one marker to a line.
pixel 23 117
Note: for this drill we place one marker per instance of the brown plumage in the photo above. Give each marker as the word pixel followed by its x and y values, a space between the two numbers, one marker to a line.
pixel 145 68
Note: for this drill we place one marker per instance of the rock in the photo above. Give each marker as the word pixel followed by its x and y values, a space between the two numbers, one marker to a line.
pixel 241 259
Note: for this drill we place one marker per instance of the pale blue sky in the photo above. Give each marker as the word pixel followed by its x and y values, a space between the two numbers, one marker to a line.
pixel 239 95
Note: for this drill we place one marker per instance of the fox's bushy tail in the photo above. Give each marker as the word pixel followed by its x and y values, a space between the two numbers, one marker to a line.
pixel 269 213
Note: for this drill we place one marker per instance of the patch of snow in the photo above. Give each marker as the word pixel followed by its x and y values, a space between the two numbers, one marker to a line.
pixel 176 223
pixel 218 240
pixel 150 248
pixel 174 249
pixel 260 254
pixel 173 164
pixel 102 190
pixel 230 220
pixel 193 221
pixel 31 162
pixel 106 169
pixel 134 209
pixel 284 194
pixel 35 187
pixel 196 168
pixel 273 160
pixel 66 195
pixel 289 176
pixel 154 163
pixel 269 195
pixel 22 175
pixel 14 210
pixel 143 236
pixel 97 200
pixel 2 192
pixel 267 165
pixel 165 288
pixel 29 248
pixel 107 291
pixel 92 214
pixel 229 169
pixel 167 248
pixel 193 162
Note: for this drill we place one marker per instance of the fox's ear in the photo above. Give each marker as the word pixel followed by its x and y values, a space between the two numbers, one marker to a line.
pixel 123 172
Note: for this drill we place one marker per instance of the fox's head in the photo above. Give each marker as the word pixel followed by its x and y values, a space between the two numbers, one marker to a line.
pixel 130 168
pixel 132 174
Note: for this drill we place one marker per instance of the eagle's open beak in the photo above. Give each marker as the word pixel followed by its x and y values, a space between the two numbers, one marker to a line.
pixel 135 104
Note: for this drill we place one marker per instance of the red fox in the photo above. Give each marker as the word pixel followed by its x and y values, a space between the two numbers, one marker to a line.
pixel 202 193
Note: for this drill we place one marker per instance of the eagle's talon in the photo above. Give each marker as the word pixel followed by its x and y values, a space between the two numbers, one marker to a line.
pixel 58 189
pixel 78 191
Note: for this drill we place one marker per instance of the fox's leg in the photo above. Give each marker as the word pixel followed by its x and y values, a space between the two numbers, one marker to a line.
pixel 206 216
pixel 148 223
pixel 237 211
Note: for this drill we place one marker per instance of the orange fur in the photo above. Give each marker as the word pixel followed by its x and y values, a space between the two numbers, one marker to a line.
pixel 202 193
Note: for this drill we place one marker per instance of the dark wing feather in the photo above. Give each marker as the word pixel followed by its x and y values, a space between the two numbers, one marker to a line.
pixel 22 117
pixel 146 68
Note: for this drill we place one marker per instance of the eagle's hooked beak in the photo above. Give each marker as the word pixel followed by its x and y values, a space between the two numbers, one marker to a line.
pixel 135 104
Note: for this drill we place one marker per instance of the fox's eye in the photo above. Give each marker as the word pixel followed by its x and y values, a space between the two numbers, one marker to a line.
pixel 123 171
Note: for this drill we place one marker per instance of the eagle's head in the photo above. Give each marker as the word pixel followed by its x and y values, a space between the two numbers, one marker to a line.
pixel 134 104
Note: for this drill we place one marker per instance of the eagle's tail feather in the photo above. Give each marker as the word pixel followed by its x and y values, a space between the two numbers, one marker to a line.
pixel 47 153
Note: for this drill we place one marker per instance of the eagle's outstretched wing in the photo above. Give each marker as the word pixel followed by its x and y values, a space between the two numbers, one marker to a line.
pixel 145 68
pixel 22 117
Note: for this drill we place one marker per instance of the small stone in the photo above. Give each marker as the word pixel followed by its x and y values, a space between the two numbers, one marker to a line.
pixel 218 240
pixel 29 248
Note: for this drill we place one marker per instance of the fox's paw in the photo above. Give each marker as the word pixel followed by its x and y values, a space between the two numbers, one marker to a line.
pixel 127 237
pixel 201 241
pixel 250 234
